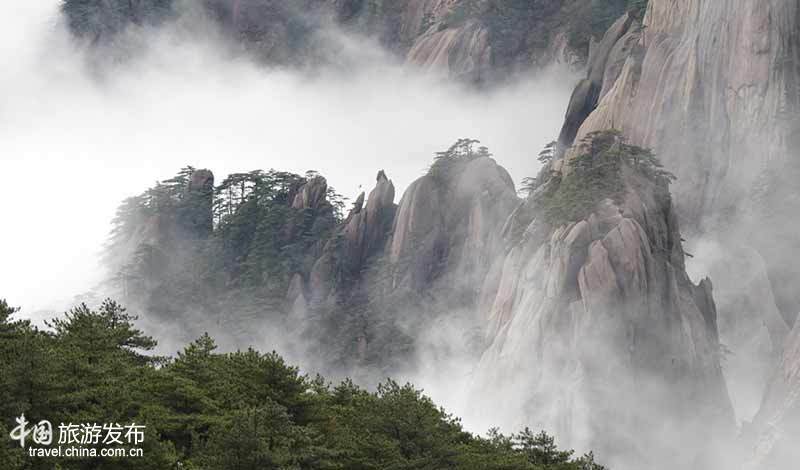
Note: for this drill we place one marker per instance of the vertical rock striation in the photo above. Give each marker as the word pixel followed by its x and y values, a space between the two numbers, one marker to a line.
pixel 712 87
pixel 600 336
pixel 704 83
pixel 591 328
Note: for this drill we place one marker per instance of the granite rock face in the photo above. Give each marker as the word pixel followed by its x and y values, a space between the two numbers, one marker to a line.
pixel 434 236
pixel 362 235
pixel 584 323
pixel 476 41
pixel 596 321
pixel 312 194
pixel 704 84
pixel 392 271
pixel 485 42
pixel 712 88
pixel 603 67
pixel 453 232
pixel 366 228
pixel 461 53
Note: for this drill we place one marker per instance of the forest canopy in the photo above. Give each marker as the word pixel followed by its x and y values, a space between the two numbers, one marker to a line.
pixel 188 244
pixel 204 409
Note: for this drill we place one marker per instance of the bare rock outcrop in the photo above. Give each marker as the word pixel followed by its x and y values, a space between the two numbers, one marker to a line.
pixel 462 53
pixel 452 229
pixel 366 228
pixel 712 88
pixel 596 322
pixel 362 235
pixel 439 230
pixel 475 41
pixel 703 84
pixel 394 270
pixel 605 64
pixel 311 195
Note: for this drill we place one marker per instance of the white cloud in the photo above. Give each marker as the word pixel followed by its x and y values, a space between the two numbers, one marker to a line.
pixel 74 141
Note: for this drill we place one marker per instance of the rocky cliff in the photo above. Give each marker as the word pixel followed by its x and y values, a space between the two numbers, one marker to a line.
pixel 574 304
pixel 578 296
pixel 393 270
pixel 712 87
pixel 571 307
pixel 704 84
pixel 595 321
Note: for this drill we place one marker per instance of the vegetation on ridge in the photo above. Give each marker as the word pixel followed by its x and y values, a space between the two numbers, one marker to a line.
pixel 520 33
pixel 243 410
pixel 449 163
pixel 595 174
pixel 187 247
pixel 102 18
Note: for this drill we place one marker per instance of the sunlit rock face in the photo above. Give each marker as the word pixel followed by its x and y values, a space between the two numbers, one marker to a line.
pixel 598 334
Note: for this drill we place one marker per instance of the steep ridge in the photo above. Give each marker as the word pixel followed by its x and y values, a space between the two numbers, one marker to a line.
pixel 595 322
pixel 393 270
pixel 590 315
pixel 712 87
pixel 703 83
pixel 573 305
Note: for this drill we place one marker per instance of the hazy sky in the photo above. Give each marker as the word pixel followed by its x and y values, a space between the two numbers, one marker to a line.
pixel 74 143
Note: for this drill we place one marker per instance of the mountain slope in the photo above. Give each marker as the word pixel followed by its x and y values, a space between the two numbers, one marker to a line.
pixel 595 321
pixel 704 84
pixel 573 306
pixel 712 88
pixel 477 41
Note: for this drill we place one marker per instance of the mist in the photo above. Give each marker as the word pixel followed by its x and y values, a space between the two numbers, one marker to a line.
pixel 77 137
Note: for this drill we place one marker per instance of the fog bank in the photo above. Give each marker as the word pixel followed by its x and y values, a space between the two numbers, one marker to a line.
pixel 76 139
